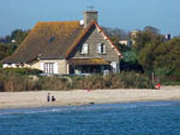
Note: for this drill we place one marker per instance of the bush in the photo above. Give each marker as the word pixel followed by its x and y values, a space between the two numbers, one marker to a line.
pixel 136 80
pixel 11 81
pixel 168 80
pixel 15 82
pixel 21 71
pixel 53 83
pixel 123 80
pixel 18 79
pixel 0 65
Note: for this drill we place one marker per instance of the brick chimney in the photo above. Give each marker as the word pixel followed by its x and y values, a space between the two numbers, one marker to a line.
pixel 90 16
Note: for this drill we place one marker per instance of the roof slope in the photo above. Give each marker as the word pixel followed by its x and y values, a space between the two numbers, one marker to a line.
pixel 48 40
pixel 53 40
pixel 93 23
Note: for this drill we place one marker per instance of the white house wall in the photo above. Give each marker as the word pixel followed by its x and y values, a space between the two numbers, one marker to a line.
pixel 60 65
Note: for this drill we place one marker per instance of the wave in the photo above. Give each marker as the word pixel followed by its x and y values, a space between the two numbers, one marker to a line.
pixel 95 107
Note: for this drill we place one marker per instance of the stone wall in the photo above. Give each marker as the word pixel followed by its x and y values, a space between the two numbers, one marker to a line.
pixel 92 39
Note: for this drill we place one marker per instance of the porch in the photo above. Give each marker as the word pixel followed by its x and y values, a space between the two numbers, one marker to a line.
pixel 89 65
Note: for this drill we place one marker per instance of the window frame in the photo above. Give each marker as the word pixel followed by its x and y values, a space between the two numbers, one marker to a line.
pixel 101 47
pixel 49 67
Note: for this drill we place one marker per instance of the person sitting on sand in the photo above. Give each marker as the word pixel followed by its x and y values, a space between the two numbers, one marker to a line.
pixel 53 99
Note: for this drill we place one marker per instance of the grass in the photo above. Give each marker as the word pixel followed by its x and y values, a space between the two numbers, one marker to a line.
pixel 16 80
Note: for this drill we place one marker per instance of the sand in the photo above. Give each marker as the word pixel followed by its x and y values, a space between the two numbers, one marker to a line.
pixel 84 97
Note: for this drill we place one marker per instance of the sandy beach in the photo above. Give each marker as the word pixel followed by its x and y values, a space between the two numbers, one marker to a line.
pixel 84 97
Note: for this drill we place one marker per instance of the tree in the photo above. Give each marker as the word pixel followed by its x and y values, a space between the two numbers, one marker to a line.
pixel 116 32
pixel 130 61
pixel 19 35
pixel 147 57
pixel 167 60
pixel 151 29
pixel 7 47
pixel 146 42
pixel 144 38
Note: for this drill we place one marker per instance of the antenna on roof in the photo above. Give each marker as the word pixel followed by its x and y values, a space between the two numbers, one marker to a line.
pixel 91 8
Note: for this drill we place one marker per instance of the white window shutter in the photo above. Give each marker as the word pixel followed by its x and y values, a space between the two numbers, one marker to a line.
pixel 99 48
pixel 55 68
pixel 104 48
pixel 42 66
pixel 114 66
pixel 85 48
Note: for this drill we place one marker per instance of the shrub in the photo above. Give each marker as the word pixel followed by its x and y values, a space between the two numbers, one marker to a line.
pixel 21 71
pixel 0 65
pixel 11 81
pixel 136 80
pixel 15 82
pixel 53 83
pixel 123 80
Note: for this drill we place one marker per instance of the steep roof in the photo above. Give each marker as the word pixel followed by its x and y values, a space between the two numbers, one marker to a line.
pixel 47 40
pixel 93 23
pixel 53 40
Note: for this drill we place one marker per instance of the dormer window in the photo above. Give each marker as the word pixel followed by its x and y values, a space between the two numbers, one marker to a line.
pixel 101 48
pixel 84 49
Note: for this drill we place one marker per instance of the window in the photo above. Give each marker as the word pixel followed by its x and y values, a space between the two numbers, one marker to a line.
pixel 101 48
pixel 49 68
pixel 84 49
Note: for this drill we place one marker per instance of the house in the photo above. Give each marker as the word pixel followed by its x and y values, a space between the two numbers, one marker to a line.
pixel 131 41
pixel 72 47
pixel 167 37
pixel 126 42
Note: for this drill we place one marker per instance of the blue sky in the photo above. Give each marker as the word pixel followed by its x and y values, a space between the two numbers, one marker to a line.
pixel 123 14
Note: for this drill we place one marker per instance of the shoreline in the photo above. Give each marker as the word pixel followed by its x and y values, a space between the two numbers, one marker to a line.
pixel 81 105
pixel 38 99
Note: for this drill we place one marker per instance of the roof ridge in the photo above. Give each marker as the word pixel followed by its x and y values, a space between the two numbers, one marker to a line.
pixel 75 21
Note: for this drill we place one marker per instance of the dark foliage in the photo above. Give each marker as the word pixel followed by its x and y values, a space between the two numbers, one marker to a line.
pixel 10 43
pixel 20 71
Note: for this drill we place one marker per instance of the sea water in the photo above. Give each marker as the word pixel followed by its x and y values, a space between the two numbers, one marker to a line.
pixel 142 118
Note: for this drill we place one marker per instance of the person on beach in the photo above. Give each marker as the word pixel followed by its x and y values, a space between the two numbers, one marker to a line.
pixel 158 86
pixel 48 97
pixel 53 99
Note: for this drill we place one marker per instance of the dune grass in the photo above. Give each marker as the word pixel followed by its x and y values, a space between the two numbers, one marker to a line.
pixel 28 80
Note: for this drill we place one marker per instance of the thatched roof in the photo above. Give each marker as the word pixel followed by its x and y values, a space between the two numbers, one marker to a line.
pixel 47 40
pixel 53 40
